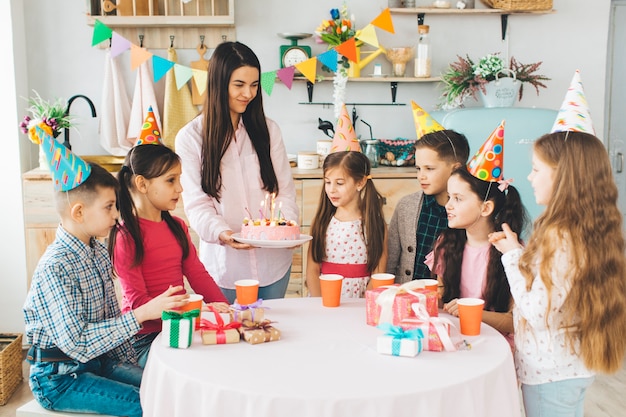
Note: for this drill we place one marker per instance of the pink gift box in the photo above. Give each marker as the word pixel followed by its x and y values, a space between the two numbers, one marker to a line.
pixel 401 308
pixel 432 341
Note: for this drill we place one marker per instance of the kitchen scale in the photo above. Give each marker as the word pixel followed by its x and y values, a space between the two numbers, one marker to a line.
pixel 294 54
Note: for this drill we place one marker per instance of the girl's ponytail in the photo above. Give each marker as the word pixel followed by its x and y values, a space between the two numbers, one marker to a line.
pixel 373 224
pixel 513 212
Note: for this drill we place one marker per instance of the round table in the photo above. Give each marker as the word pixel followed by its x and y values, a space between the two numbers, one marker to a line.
pixel 326 365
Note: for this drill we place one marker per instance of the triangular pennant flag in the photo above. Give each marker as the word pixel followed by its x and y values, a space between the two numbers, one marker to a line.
pixel 138 56
pixel 488 163
pixel 574 112
pixel 150 132
pixel 67 169
pixel 424 123
pixel 383 21
pixel 200 78
pixel 348 49
pixel 101 32
pixel 345 137
pixel 368 35
pixel 329 59
pixel 160 66
pixel 183 74
pixel 268 79
pixel 308 68
pixel 285 75
pixel 119 44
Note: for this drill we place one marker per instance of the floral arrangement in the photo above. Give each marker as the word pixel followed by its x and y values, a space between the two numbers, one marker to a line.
pixel 50 116
pixel 335 31
pixel 464 78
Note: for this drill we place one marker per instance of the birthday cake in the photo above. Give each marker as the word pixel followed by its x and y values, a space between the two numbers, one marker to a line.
pixel 266 229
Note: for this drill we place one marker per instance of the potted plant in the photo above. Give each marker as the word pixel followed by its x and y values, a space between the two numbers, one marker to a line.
pixel 465 78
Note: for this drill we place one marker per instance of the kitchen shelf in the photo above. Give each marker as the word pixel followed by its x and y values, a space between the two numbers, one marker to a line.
pixel 504 14
pixel 393 83
pixel 167 23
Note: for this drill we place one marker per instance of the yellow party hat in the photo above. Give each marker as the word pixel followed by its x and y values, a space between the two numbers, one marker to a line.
pixel 424 123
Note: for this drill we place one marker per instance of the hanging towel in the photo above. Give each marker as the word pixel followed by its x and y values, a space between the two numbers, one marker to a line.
pixel 178 109
pixel 143 98
pixel 115 109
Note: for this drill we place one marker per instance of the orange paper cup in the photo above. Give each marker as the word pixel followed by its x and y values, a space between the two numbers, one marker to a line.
pixel 470 315
pixel 378 280
pixel 247 291
pixel 331 289
pixel 431 284
pixel 195 302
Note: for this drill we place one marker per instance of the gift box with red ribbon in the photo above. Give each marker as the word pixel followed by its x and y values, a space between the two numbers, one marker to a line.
pixel 259 332
pixel 216 332
pixel 392 304
pixel 436 330
pixel 254 312
pixel 177 328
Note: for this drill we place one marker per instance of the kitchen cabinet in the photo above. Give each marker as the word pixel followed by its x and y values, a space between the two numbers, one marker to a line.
pixel 161 24
pixel 392 183
pixel 41 219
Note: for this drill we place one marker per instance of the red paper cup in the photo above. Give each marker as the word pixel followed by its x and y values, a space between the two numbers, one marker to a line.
pixel 470 315
pixel 378 280
pixel 331 289
pixel 431 284
pixel 247 291
pixel 195 302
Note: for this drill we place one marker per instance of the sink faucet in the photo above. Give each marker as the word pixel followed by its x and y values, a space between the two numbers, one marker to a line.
pixel 66 134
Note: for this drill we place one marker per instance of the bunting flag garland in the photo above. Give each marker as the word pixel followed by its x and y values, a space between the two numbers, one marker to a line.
pixel 268 81
pixel 160 67
pixel 308 68
pixel 119 44
pixel 286 75
pixel 329 59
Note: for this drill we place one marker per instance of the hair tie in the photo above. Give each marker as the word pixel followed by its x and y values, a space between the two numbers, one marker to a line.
pixel 504 184
pixel 369 177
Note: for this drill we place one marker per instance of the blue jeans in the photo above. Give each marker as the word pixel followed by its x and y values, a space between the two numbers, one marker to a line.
pixel 275 290
pixel 99 386
pixel 556 399
pixel 141 345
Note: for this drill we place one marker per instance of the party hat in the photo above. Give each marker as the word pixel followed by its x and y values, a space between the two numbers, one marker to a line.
pixel 487 163
pixel 345 137
pixel 424 123
pixel 150 133
pixel 68 170
pixel 574 112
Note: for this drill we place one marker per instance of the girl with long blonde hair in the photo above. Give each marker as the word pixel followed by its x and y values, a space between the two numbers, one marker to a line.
pixel 569 283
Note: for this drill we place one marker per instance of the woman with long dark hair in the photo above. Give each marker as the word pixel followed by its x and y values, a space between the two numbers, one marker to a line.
pixel 232 158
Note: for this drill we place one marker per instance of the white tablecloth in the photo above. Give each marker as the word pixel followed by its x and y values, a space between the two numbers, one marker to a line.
pixel 326 365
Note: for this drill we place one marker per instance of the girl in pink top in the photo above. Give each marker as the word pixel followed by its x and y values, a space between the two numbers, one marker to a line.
pixel 349 230
pixel 465 262
pixel 151 249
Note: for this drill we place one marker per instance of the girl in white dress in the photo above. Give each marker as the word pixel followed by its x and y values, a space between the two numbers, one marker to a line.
pixel 349 229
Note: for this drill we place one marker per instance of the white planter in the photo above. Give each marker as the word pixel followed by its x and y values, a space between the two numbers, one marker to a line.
pixel 502 92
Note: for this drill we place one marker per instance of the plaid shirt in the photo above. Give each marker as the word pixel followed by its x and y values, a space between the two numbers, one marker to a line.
pixel 72 303
pixel 433 219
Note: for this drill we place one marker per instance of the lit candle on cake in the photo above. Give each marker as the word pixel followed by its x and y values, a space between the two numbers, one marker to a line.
pixel 280 206
pixel 265 206
pixel 273 206
pixel 261 210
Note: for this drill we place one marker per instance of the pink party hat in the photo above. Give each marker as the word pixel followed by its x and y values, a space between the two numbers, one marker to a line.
pixel 150 133
pixel 68 170
pixel 487 163
pixel 574 112
pixel 424 123
pixel 345 137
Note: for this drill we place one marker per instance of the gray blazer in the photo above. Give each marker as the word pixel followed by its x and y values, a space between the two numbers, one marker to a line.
pixel 402 240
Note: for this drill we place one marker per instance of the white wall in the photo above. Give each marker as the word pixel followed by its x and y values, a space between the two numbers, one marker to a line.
pixel 15 154
pixel 61 63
